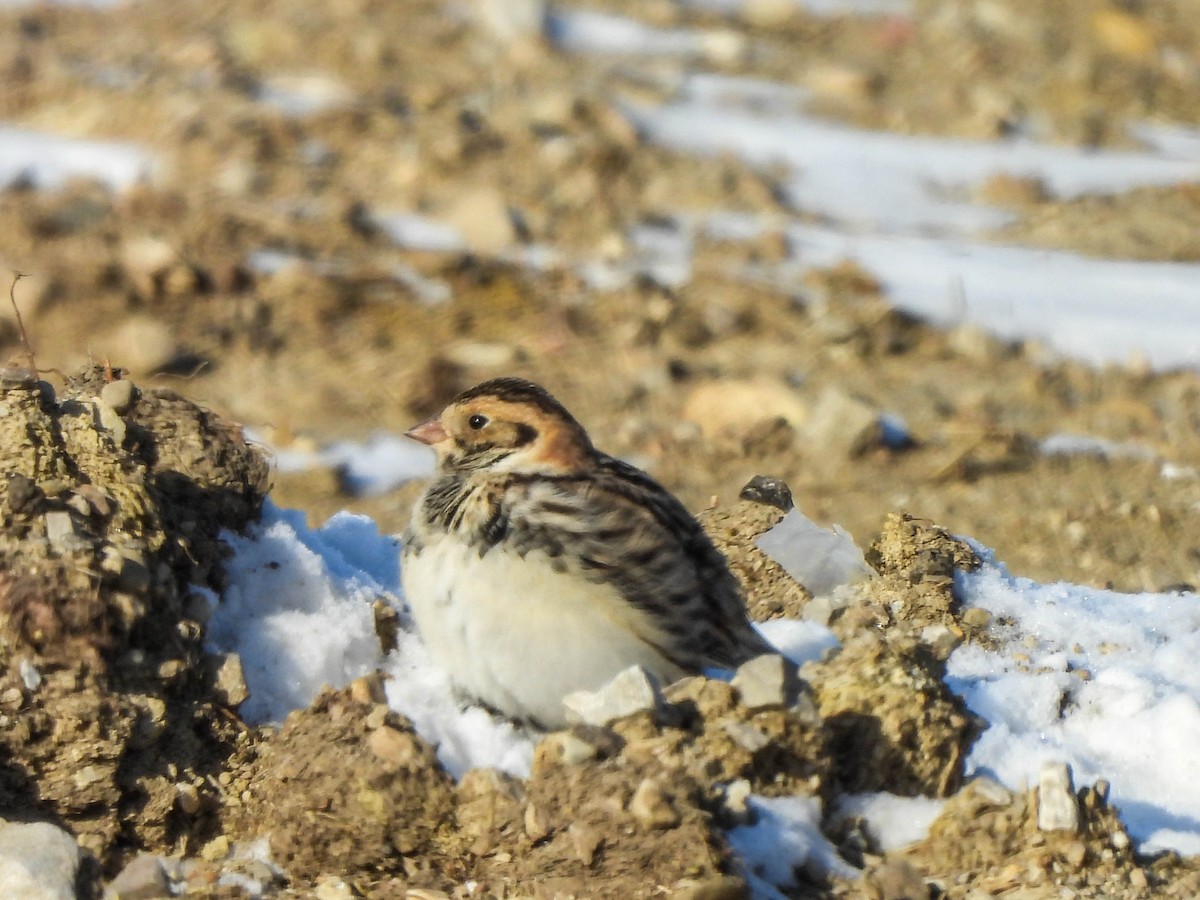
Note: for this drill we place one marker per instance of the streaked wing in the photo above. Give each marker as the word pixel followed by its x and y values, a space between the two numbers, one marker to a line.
pixel 618 526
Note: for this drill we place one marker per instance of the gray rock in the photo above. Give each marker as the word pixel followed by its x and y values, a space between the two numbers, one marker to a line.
pixel 991 790
pixel 60 528
pixel 1058 807
pixel 940 640
pixel 767 682
pixel 745 735
pixel 110 420
pixel 145 878
pixel 842 426
pixel 632 691
pixel 117 395
pixel 230 687
pixel 651 807
pixel 895 880
pixel 38 861
pixel 768 491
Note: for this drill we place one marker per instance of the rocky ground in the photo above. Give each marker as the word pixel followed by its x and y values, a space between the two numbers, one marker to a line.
pixel 128 735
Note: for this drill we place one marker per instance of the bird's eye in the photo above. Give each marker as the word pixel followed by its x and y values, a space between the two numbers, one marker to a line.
pixel 477 421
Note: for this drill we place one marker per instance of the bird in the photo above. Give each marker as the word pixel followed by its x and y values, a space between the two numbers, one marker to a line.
pixel 536 565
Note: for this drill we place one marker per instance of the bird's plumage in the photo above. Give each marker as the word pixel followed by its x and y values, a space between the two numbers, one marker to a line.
pixel 537 565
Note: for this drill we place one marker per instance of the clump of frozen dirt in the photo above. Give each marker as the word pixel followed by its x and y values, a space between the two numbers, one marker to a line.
pixel 987 839
pixel 894 724
pixel 769 591
pixel 111 510
pixel 346 786
pixel 916 561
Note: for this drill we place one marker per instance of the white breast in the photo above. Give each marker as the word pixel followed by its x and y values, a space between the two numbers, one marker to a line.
pixel 519 635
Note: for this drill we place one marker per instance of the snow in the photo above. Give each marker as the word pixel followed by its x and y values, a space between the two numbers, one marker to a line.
pixel 589 31
pixel 49 161
pixel 1104 681
pixel 785 837
pixel 1099 311
pixel 1066 444
pixel 892 821
pixel 298 610
pixel 903 207
pixel 419 232
pixel 898 182
pixel 799 640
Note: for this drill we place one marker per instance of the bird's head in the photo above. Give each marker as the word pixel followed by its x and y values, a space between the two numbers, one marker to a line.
pixel 506 425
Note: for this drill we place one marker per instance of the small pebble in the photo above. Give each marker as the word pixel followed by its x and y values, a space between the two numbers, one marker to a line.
pixel 651 807
pixel 630 692
pixel 1058 808
pixel 38 861
pixel 766 682
pixel 118 395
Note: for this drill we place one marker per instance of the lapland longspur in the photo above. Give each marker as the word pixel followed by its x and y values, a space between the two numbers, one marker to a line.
pixel 535 565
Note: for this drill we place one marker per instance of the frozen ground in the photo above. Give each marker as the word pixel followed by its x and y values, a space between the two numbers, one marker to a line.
pixel 1104 681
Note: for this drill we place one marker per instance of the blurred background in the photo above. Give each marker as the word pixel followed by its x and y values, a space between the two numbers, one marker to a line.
pixel 938 256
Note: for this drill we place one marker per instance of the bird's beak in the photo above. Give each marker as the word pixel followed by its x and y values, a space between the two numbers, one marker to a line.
pixel 428 432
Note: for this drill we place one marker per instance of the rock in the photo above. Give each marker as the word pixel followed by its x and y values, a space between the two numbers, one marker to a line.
pixel 118 395
pixel 110 420
pixel 990 792
pixel 480 354
pixel 632 691
pixel 38 861
pixel 187 798
pixel 511 21
pixel 1058 808
pixel 768 13
pixel 393 747
pixel 769 590
pixel 230 687
pixel 767 682
pixel 148 261
pixel 331 887
pixel 723 46
pixel 586 841
pixel 537 823
pixel 841 426
pixel 941 640
pixel 976 618
pixel 651 807
pixel 387 626
pixel 144 878
pixel 894 880
pixel 769 491
pixel 60 528
pixel 482 218
pixel 849 84
pixel 1124 34
pixel 735 406
pixel 368 689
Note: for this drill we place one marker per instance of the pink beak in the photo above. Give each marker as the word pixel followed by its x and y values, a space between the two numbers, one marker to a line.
pixel 428 432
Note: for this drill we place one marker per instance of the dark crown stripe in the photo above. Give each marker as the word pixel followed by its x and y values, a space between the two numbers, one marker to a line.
pixel 517 390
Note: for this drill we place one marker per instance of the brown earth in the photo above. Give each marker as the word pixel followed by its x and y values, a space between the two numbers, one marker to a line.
pixel 732 375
